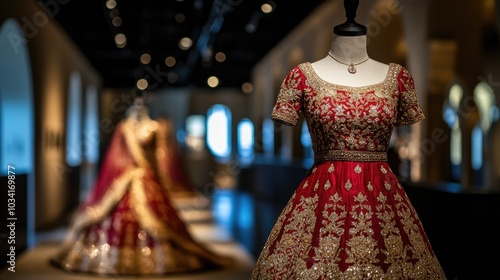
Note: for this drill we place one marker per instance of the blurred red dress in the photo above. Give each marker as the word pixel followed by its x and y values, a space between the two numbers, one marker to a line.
pixel 350 217
pixel 128 226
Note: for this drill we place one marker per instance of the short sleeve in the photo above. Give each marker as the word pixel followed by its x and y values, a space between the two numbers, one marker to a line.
pixel 289 102
pixel 409 111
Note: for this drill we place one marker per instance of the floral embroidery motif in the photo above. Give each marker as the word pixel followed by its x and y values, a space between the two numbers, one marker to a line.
pixel 327 185
pixel 370 186
pixel 387 186
pixel 382 168
pixel 331 168
pixel 348 185
pixel 357 169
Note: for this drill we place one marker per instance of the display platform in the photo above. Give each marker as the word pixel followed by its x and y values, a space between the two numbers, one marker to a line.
pixel 34 264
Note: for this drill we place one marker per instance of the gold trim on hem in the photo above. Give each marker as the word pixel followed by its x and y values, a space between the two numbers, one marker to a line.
pixel 349 156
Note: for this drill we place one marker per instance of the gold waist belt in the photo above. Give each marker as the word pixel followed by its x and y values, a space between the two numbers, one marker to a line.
pixel 349 156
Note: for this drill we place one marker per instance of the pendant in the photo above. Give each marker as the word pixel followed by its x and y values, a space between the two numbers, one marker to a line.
pixel 351 69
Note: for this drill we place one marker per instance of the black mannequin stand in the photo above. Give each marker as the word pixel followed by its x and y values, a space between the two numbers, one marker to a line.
pixel 350 27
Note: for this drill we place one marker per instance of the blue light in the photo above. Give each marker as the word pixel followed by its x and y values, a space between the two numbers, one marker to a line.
pixel 91 133
pixel 245 138
pixel 219 130
pixel 268 136
pixel 477 147
pixel 73 124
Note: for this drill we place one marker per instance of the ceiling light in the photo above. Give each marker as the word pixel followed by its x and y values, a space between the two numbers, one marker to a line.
pixel 266 8
pixel 117 21
pixel 172 77
pixel 145 58
pixel 247 87
pixel 114 13
pixel 220 57
pixel 180 17
pixel 185 43
pixel 213 81
pixel 170 61
pixel 110 4
pixel 142 84
pixel 120 40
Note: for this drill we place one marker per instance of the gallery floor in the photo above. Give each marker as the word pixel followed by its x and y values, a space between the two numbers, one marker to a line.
pixel 208 225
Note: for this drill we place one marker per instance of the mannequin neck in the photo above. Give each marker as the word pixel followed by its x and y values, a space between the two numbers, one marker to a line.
pixel 349 49
pixel 139 113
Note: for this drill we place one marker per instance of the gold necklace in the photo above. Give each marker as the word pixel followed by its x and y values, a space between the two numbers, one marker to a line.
pixel 351 67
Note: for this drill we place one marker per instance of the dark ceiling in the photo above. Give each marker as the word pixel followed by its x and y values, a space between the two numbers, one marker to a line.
pixel 156 27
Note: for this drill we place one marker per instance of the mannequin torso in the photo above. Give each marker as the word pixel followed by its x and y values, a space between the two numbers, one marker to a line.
pixel 345 50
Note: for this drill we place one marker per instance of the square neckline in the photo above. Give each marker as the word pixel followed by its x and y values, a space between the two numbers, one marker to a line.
pixel 385 82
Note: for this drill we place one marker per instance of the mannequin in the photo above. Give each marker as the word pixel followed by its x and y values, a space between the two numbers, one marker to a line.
pixel 128 225
pixel 138 110
pixel 138 116
pixel 349 218
pixel 349 46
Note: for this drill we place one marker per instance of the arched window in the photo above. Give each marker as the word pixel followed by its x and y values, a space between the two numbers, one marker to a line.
pixel 17 116
pixel 74 121
pixel 245 138
pixel 486 105
pixel 16 101
pixel 451 117
pixel 219 130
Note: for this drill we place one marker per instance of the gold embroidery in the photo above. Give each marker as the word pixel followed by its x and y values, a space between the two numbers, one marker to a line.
pixel 327 185
pixel 349 155
pixel 331 168
pixel 370 186
pixel 95 213
pixel 316 185
pixel 387 186
pixel 348 185
pixel 289 99
pixel 129 260
pixel 357 169
pixel 159 230
pixel 306 184
pixel 296 256
pixel 352 122
pixel 382 168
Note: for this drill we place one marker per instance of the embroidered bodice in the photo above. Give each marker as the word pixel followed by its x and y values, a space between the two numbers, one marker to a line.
pixel 348 123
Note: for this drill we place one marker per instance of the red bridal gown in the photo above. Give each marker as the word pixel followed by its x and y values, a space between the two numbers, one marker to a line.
pixel 350 217
pixel 128 226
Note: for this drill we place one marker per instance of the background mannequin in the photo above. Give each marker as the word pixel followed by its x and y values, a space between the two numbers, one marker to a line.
pixel 349 46
pixel 138 111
